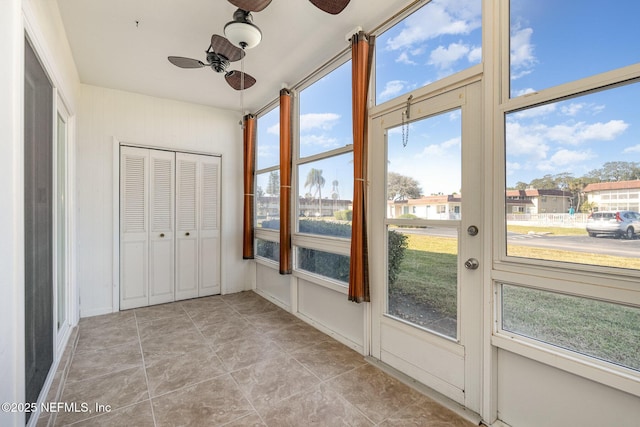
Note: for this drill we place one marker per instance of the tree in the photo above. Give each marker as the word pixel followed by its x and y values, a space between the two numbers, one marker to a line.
pixel 400 187
pixel 315 180
pixel 273 186
pixel 616 171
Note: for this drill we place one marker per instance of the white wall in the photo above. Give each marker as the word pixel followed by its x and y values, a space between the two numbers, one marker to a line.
pixel 106 114
pixel 42 22
pixel 533 394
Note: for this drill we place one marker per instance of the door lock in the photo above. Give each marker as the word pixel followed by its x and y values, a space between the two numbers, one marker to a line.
pixel 472 230
pixel 471 264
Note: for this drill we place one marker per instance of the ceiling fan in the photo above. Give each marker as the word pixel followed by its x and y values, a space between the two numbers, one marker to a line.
pixel 333 7
pixel 219 55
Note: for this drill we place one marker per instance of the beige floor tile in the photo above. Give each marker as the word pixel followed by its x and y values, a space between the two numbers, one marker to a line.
pixel 156 312
pixel 181 324
pixel 254 307
pixel 110 335
pixel 118 390
pixel 138 415
pixel 106 320
pixel 270 381
pixel 252 420
pixel 297 336
pixel 221 316
pixel 206 304
pixel 273 320
pixel 426 413
pixel 244 351
pixel 171 374
pixel 172 345
pixel 231 330
pixel 320 406
pixel 329 359
pixel 96 363
pixel 210 403
pixel 374 393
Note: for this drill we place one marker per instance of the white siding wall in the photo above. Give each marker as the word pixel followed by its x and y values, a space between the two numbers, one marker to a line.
pixel 106 114
pixel 533 394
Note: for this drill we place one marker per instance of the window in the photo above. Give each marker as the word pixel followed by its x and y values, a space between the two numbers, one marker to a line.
pixel 439 39
pixel 324 176
pixel 574 141
pixel 268 184
pixel 555 42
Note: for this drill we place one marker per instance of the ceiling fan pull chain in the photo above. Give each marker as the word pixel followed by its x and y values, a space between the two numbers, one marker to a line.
pixel 405 123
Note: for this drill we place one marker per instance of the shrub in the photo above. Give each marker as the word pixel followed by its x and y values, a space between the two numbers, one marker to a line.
pixel 397 245
pixel 345 215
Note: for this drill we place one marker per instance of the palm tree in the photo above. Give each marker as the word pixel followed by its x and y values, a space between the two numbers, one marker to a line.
pixel 316 180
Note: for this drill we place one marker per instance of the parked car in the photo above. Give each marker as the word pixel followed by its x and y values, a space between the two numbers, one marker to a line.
pixel 624 224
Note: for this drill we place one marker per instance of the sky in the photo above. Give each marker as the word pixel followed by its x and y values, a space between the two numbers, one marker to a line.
pixel 552 42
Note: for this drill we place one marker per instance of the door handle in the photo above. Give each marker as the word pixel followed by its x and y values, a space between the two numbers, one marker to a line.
pixel 187 233
pixel 471 264
pixel 161 234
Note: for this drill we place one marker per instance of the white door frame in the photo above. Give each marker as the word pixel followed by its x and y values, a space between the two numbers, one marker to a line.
pixel 468 355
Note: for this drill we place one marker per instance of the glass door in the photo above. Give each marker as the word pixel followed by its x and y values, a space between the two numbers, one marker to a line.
pixel 427 313
pixel 61 283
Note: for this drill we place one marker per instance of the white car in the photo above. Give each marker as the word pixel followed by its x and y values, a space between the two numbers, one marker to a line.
pixel 623 224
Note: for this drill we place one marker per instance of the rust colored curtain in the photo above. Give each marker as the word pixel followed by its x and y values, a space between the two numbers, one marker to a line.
pixel 249 139
pixel 285 182
pixel 361 60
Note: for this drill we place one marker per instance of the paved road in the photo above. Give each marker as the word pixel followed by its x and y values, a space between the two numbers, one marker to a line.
pixel 598 245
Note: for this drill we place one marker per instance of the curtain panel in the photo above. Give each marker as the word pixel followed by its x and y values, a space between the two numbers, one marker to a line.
pixel 249 139
pixel 361 62
pixel 286 266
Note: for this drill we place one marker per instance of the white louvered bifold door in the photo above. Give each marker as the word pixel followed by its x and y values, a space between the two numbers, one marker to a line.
pixel 209 230
pixel 161 235
pixel 187 220
pixel 134 227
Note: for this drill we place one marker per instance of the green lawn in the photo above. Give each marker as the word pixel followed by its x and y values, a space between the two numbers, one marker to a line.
pixel 611 332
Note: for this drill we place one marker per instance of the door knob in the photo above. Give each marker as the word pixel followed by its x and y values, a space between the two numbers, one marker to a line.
pixel 471 264
pixel 186 234
pixel 472 230
pixel 161 234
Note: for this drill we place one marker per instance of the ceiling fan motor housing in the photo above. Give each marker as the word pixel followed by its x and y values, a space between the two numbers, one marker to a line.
pixel 217 62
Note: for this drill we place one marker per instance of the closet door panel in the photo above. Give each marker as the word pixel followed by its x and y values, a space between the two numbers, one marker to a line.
pixel 187 219
pixel 209 226
pixel 134 230
pixel 161 236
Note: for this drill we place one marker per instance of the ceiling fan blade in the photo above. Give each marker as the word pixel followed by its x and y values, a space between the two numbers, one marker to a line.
pixel 222 46
pixel 234 78
pixel 250 5
pixel 333 7
pixel 182 62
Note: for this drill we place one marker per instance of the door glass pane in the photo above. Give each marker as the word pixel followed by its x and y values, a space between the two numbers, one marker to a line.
pixel 268 200
pixel 423 277
pixel 268 140
pixel 554 42
pixel 61 221
pixel 424 168
pixel 440 39
pixel 573 180
pixel 424 186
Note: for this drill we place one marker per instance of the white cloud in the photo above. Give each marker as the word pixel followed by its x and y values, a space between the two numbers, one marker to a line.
pixel 403 58
pixel 324 121
pixel 633 149
pixel 275 129
pixel 513 167
pixel 580 132
pixel 542 110
pixel 319 141
pixel 522 56
pixel 438 18
pixel 475 55
pixel 443 57
pixel 565 157
pixel 440 149
pixel 392 88
pixel 527 141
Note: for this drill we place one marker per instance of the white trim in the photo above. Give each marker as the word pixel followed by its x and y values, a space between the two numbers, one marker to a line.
pixel 115 235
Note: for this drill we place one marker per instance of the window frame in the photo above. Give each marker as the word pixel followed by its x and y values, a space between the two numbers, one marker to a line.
pixel 337 245
pixel 259 232
pixel 602 283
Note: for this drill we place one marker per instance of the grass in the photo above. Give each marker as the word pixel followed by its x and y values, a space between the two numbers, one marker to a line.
pixel 603 330
pixel 557 231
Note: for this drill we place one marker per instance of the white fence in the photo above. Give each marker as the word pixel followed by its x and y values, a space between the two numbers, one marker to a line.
pixel 577 220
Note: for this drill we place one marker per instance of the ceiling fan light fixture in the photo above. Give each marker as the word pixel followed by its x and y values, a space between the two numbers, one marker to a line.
pixel 241 31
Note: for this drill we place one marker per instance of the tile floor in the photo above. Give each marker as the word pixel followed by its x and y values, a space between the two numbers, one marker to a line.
pixel 234 360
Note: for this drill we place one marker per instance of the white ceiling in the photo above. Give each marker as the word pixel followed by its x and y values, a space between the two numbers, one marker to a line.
pixel 111 50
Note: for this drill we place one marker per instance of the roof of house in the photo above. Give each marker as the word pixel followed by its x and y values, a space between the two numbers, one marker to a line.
pixel 448 198
pixel 618 185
